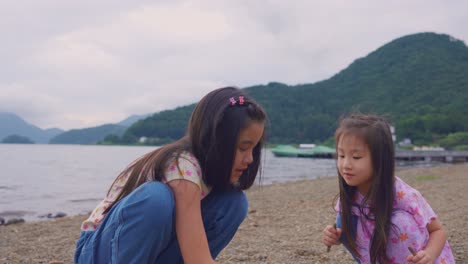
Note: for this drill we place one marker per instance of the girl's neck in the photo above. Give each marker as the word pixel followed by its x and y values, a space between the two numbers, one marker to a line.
pixel 364 189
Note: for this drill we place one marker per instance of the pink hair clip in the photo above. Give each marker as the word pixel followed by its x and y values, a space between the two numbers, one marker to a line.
pixel 232 100
pixel 241 100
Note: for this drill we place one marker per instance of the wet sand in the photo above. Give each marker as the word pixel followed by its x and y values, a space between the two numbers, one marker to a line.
pixel 284 223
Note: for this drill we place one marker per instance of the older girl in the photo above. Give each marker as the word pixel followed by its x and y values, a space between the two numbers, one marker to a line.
pixel 183 202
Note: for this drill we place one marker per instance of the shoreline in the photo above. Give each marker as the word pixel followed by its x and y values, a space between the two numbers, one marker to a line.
pixel 20 215
pixel 284 222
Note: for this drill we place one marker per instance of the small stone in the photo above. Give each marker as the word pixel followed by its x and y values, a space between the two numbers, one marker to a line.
pixel 305 252
pixel 57 215
pixel 60 214
pixel 14 221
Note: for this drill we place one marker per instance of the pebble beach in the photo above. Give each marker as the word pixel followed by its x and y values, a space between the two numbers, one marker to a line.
pixel 284 222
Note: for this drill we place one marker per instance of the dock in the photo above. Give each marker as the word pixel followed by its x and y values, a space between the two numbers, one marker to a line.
pixel 449 156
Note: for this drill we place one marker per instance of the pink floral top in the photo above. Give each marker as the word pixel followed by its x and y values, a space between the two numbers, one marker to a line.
pixel 189 170
pixel 411 215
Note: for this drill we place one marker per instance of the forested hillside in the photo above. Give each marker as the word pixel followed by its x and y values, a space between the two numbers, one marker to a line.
pixel 87 135
pixel 420 81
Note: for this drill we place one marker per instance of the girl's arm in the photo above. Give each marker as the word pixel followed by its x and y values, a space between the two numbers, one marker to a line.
pixel 435 245
pixel 189 224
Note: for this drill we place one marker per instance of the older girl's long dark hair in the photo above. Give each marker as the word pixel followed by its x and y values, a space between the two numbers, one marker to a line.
pixel 211 136
pixel 375 132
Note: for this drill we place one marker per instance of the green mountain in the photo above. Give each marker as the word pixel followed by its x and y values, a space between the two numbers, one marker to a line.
pixel 161 127
pixel 93 135
pixel 419 81
pixel 87 135
pixel 131 120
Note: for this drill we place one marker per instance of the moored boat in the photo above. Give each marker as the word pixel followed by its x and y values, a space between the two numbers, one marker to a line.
pixel 309 152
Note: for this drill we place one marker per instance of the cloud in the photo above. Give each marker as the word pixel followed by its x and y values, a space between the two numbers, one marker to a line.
pixel 79 64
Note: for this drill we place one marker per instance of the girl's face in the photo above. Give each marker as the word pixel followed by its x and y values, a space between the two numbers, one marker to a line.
pixel 355 162
pixel 248 139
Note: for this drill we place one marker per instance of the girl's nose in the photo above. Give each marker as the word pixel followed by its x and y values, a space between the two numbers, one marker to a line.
pixel 347 163
pixel 248 158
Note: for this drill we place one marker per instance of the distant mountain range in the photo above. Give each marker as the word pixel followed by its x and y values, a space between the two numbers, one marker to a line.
pixel 419 81
pixel 93 135
pixel 12 124
pixel 132 119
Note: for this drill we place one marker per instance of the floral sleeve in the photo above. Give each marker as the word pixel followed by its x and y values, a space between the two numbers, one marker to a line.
pixel 185 167
pixel 411 200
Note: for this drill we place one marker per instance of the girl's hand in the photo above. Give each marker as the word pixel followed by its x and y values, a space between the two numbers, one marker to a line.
pixel 331 236
pixel 421 257
pixel 437 239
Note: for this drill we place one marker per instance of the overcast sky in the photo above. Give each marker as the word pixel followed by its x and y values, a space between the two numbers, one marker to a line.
pixel 75 64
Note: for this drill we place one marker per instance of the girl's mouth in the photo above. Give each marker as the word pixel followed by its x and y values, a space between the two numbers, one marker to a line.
pixel 239 171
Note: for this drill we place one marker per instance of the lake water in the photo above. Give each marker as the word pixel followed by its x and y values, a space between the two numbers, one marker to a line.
pixel 39 179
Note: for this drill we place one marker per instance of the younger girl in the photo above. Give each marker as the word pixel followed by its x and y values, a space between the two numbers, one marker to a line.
pixel 379 216
pixel 183 202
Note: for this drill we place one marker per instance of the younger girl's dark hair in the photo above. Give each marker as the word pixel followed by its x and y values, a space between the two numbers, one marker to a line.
pixel 375 132
pixel 211 136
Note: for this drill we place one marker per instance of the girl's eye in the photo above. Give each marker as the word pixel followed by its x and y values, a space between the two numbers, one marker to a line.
pixel 341 156
pixel 356 158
